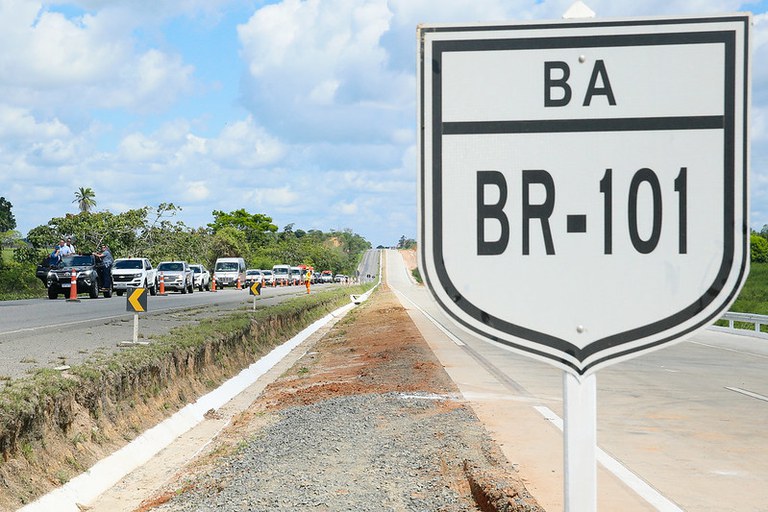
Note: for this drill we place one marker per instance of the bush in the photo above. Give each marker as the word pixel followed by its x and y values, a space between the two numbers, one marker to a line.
pixel 18 281
pixel 759 248
pixel 27 254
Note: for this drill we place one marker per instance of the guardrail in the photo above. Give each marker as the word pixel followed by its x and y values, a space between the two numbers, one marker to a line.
pixel 748 318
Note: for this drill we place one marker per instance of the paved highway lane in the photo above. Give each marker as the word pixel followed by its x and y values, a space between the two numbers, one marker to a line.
pixel 368 269
pixel 43 333
pixel 685 425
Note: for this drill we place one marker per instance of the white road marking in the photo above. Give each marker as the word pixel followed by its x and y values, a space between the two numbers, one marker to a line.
pixel 429 317
pixel 728 349
pixel 748 393
pixel 634 482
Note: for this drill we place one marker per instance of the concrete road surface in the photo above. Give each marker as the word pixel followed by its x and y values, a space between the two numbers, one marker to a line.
pixel 682 428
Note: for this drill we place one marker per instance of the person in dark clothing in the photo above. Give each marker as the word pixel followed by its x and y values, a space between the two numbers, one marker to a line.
pixel 105 255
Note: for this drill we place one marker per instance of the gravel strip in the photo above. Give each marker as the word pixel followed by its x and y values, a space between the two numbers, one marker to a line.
pixel 374 452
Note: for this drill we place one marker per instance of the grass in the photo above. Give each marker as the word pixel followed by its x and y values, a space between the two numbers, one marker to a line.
pixel 754 295
pixel 25 400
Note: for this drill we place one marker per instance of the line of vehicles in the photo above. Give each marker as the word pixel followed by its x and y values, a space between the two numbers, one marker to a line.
pixel 177 276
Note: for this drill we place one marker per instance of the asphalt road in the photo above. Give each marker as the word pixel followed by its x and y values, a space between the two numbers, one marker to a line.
pixel 685 425
pixel 43 333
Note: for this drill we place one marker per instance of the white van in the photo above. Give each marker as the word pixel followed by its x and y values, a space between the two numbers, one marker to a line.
pixel 227 270
pixel 295 276
pixel 281 273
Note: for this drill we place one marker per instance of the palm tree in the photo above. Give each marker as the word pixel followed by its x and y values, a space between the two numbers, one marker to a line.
pixel 84 198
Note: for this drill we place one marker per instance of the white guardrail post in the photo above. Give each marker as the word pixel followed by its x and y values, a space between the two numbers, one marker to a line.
pixel 750 318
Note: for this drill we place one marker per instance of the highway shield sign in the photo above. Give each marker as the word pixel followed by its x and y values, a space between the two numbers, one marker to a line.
pixel 583 184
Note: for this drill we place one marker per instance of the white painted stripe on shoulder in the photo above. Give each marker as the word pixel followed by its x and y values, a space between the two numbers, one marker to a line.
pixel 429 317
pixel 631 480
pixel 748 393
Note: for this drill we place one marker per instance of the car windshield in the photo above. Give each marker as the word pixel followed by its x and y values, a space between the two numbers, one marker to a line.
pixel 196 270
pixel 171 267
pixel 280 271
pixel 226 266
pixel 76 260
pixel 252 272
pixel 266 272
pixel 127 264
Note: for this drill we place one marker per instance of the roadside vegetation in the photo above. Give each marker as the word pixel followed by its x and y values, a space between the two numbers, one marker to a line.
pixel 155 234
pixel 54 425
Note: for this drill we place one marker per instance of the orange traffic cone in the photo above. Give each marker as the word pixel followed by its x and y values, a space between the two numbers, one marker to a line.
pixel 73 288
pixel 238 283
pixel 162 285
pixel 213 283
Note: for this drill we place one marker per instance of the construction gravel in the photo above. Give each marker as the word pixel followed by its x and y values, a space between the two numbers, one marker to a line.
pixel 376 452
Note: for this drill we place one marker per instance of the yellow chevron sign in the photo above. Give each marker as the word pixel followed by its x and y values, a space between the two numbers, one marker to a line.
pixel 256 288
pixel 137 300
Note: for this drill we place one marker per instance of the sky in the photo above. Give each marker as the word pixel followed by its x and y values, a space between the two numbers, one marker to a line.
pixel 303 110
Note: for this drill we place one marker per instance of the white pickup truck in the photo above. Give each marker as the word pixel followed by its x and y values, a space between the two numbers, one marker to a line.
pixel 135 273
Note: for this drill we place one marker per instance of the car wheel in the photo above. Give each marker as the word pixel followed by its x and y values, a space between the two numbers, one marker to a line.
pixel 107 294
pixel 184 290
pixel 93 291
pixel 191 287
pixel 119 293
pixel 53 293
pixel 153 288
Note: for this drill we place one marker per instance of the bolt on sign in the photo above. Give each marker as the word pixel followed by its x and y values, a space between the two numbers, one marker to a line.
pixel 583 184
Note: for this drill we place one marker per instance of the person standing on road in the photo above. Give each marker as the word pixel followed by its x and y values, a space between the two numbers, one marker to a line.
pixel 308 279
pixel 106 262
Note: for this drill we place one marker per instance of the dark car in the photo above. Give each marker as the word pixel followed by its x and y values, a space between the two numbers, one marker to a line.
pixel 89 272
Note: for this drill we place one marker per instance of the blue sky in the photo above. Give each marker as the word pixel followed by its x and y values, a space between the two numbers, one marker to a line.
pixel 301 110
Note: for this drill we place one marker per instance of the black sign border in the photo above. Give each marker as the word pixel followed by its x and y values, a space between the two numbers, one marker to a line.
pixel 726 37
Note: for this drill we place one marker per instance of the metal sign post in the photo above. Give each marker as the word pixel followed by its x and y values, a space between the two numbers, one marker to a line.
pixel 136 301
pixel 254 290
pixel 580 442
pixel 583 190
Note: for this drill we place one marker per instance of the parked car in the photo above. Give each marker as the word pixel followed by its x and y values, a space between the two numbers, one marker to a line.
pixel 226 271
pixel 340 278
pixel 177 276
pixel 201 276
pixel 133 273
pixel 252 276
pixel 295 275
pixel 281 273
pixel 268 276
pixel 88 272
pixel 326 276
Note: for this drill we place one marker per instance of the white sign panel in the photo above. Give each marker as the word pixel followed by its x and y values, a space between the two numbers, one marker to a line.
pixel 583 187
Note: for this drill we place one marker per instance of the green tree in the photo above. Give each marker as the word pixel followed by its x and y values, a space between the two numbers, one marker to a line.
pixel 229 242
pixel 759 248
pixel 7 221
pixel 406 243
pixel 253 225
pixel 84 197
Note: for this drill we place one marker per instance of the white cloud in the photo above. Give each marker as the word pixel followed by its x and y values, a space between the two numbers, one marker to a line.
pixel 242 144
pixel 318 71
pixel 50 61
pixel 346 208
pixel 197 191
pixel 20 123
pixel 137 147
